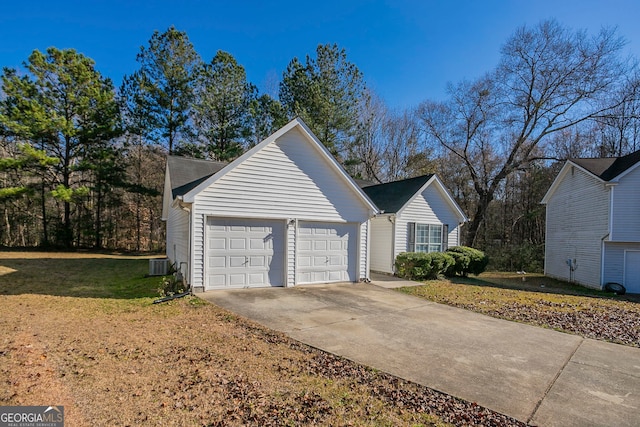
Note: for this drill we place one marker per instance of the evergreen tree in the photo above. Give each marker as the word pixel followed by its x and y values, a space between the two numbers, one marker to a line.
pixel 267 116
pixel 167 77
pixel 325 92
pixel 65 106
pixel 221 112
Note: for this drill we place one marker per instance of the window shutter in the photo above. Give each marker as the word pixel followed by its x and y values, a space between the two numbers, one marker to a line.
pixel 411 237
pixel 445 237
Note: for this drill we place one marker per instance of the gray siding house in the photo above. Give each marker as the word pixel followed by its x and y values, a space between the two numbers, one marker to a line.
pixel 593 222
pixel 284 213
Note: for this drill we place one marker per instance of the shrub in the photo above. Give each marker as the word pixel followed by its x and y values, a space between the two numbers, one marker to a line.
pixel 421 265
pixel 467 260
pixel 523 256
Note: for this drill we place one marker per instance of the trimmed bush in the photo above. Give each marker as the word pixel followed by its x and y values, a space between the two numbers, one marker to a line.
pixel 467 260
pixel 421 265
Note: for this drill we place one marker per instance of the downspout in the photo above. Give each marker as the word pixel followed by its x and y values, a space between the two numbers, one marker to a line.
pixel 609 235
pixel 187 208
pixel 392 220
pixel 368 260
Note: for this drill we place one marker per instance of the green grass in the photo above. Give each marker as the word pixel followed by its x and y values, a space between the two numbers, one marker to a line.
pixel 118 278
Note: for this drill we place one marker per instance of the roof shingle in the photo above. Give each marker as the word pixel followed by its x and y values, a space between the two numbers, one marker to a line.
pixel 187 173
pixel 607 168
pixel 392 196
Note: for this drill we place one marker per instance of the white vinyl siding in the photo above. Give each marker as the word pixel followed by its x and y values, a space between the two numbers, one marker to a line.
pixel 381 249
pixel 431 208
pixel 178 236
pixel 289 180
pixel 577 222
pixel 626 208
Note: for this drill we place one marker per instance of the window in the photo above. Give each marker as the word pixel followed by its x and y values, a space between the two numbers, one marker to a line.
pixel 426 237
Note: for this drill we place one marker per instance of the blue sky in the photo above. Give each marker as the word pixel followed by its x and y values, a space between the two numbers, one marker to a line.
pixel 407 50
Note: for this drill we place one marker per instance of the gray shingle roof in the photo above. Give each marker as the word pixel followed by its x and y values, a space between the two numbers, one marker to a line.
pixel 608 168
pixel 392 196
pixel 187 173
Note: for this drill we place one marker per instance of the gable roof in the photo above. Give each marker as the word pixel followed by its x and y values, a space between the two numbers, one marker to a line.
pixel 203 182
pixel 392 196
pixel 186 173
pixel 608 168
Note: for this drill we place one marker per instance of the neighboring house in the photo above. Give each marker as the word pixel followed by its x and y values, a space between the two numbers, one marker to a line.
pixel 284 213
pixel 417 215
pixel 593 222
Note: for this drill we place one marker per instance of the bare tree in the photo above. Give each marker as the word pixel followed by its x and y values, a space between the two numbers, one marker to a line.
pixel 402 157
pixel 549 79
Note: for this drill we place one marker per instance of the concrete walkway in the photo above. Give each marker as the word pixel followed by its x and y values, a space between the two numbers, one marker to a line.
pixel 536 375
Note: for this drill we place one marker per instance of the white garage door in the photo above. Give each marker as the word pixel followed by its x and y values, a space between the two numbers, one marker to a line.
pixel 244 253
pixel 326 252
pixel 632 271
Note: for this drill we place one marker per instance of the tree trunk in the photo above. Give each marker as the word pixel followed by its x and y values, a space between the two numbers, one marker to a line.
pixel 43 207
pixel 478 218
pixel 98 241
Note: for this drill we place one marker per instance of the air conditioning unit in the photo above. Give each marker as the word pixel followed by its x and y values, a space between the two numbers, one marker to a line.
pixel 158 267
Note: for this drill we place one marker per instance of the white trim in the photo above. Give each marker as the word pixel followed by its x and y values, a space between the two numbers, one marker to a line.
pixel 368 257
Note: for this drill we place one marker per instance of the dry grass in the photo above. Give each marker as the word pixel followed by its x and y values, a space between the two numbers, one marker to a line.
pixel 80 331
pixel 543 302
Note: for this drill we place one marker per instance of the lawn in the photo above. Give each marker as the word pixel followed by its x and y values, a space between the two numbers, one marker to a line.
pixel 80 330
pixel 541 301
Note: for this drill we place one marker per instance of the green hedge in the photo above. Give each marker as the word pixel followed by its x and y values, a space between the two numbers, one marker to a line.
pixel 459 260
pixel 421 265
pixel 467 260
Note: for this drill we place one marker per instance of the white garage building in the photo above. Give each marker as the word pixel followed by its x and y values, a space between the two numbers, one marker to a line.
pixel 285 213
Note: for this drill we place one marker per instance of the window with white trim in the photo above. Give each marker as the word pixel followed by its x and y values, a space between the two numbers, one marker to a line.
pixel 427 237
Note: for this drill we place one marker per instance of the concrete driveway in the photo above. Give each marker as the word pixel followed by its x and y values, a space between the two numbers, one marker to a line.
pixel 535 375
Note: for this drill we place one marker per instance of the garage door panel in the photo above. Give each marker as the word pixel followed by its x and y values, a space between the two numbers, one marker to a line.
pixel 337 260
pixel 217 262
pixel 304 261
pixel 304 245
pixel 218 243
pixel 323 252
pixel 237 280
pixel 244 253
pixel 336 245
pixel 320 245
pixel 258 244
pixel 236 261
pixel 218 280
pixel 258 261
